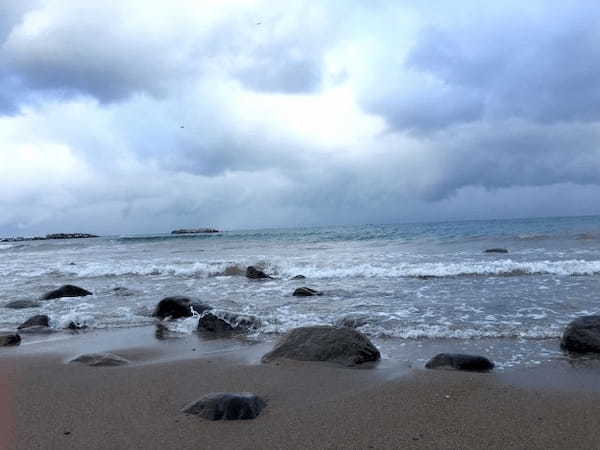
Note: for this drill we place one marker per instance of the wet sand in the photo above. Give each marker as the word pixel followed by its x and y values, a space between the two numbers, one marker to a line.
pixel 47 403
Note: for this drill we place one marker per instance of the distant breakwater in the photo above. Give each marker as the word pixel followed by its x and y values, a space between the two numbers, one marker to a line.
pixel 49 237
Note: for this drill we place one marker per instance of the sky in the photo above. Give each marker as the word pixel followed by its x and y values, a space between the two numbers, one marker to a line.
pixel 142 116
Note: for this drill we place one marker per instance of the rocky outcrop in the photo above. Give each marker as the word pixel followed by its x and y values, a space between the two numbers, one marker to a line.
pixel 100 360
pixel 194 231
pixel 227 406
pixel 40 320
pixel 255 274
pixel 50 236
pixel 306 292
pixel 496 250
pixel 459 361
pixel 325 343
pixel 68 290
pixel 8 339
pixel 224 323
pixel 582 335
pixel 178 306
pixel 22 304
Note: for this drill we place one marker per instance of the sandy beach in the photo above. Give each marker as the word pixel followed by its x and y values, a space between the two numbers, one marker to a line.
pixel 48 403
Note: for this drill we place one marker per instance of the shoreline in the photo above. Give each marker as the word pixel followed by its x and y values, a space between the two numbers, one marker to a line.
pixel 49 403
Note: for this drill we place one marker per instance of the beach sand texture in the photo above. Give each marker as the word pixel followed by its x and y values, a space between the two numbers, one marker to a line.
pixel 48 403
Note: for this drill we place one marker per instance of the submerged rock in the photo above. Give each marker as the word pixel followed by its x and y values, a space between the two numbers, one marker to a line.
pixel 299 277
pixel 352 321
pixel 325 343
pixel 227 406
pixel 582 335
pixel 306 292
pixel 255 274
pixel 68 290
pixel 72 325
pixel 496 250
pixel 123 291
pixel 178 306
pixel 22 304
pixel 227 323
pixel 459 361
pixel 9 339
pixel 40 320
pixel 100 360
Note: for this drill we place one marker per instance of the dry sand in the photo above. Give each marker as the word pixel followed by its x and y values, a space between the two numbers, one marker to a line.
pixel 49 404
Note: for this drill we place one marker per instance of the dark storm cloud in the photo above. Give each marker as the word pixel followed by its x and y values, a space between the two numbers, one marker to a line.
pixel 537 64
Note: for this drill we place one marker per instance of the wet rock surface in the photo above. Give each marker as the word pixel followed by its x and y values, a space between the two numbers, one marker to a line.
pixel 459 361
pixel 582 335
pixel 178 306
pixel 224 323
pixel 68 290
pixel 344 346
pixel 306 292
pixel 22 304
pixel 40 320
pixel 255 274
pixel 227 406
pixel 8 339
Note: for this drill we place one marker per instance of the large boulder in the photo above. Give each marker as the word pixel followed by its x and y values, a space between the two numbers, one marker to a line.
pixel 306 292
pixel 22 304
pixel 8 339
pixel 223 323
pixel 325 343
pixel 457 361
pixel 100 360
pixel 227 406
pixel 41 320
pixel 178 306
pixel 582 335
pixel 68 290
pixel 255 274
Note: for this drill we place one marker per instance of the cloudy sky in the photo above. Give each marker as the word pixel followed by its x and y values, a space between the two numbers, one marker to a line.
pixel 143 115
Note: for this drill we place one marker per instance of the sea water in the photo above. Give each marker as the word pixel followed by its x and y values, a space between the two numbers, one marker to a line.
pixel 408 285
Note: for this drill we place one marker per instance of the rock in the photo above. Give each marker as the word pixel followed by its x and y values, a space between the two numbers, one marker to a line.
pixel 68 290
pixel 75 326
pixel 299 277
pixel 255 274
pixel 100 360
pixel 41 320
pixel 178 306
pixel 8 339
pixel 582 335
pixel 22 304
pixel 194 231
pixel 325 343
pixel 458 361
pixel 227 406
pixel 306 292
pixel 70 236
pixel 227 323
pixel 496 250
pixel 123 292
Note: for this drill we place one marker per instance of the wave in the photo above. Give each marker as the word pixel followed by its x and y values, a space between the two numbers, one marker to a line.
pixel 161 238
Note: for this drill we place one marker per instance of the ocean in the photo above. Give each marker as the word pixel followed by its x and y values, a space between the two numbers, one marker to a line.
pixel 409 286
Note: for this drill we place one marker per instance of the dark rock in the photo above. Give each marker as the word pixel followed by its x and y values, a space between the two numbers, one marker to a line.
pixel 299 277
pixel 22 304
pixel 70 236
pixel 325 343
pixel 41 320
pixel 582 335
pixel 227 323
pixel 178 306
pixel 306 292
pixel 255 274
pixel 426 277
pixel 458 361
pixel 8 339
pixel 194 231
pixel 68 290
pixel 123 292
pixel 496 250
pixel 100 360
pixel 75 326
pixel 227 406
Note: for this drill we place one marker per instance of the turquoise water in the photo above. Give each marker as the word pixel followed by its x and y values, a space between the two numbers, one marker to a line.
pixel 406 283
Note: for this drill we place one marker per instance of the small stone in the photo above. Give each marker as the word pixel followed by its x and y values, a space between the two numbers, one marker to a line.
pixel 100 360
pixel 9 339
pixel 306 292
pixel 68 290
pixel 459 361
pixel 227 406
